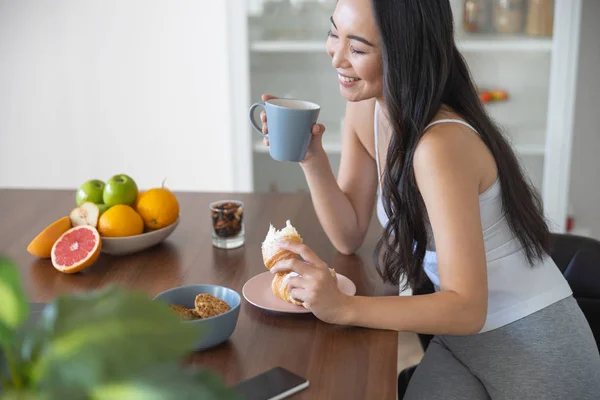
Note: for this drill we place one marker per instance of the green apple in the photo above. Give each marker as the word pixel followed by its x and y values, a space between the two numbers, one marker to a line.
pixel 120 189
pixel 103 208
pixel 92 191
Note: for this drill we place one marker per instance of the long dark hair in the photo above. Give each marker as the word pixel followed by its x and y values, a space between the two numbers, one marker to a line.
pixel 423 70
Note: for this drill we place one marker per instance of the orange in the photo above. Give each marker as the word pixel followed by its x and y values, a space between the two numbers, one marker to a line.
pixel 41 246
pixel 137 200
pixel 119 221
pixel 76 249
pixel 158 207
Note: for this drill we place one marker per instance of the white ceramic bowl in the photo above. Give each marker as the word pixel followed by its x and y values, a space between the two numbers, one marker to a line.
pixel 119 246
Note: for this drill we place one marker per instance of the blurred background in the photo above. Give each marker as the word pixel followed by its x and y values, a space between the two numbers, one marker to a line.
pixel 160 89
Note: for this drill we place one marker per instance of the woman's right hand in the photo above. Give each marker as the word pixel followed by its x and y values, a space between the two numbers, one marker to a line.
pixel 316 142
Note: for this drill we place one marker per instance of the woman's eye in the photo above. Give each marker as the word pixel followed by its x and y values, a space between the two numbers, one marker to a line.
pixel 331 34
pixel 356 51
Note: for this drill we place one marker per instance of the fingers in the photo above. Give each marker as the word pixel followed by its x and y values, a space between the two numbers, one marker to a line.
pixel 266 142
pixel 263 119
pixel 299 294
pixel 304 251
pixel 298 266
pixel 318 129
pixel 266 97
pixel 297 282
pixel 299 288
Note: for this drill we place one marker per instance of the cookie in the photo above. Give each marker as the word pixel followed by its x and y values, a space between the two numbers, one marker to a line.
pixel 208 305
pixel 185 313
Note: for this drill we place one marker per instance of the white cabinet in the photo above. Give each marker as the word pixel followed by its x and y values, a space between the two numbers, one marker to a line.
pixel 281 46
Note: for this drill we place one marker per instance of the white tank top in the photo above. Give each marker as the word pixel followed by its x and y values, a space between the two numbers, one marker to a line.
pixel 515 288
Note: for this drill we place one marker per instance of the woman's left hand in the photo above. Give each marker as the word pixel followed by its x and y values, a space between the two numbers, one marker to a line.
pixel 315 286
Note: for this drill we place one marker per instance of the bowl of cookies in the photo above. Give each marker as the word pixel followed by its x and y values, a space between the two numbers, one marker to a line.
pixel 215 308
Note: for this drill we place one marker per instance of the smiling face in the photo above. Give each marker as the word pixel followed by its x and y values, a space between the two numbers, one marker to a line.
pixel 354 46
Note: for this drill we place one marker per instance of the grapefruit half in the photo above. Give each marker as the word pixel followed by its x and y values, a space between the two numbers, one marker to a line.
pixel 41 246
pixel 76 249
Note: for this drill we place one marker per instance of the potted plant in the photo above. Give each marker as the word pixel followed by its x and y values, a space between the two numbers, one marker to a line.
pixel 104 344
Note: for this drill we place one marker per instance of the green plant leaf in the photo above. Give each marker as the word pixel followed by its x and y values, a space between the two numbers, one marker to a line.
pixel 18 395
pixel 169 382
pixel 7 335
pixel 14 306
pixel 91 338
pixel 58 394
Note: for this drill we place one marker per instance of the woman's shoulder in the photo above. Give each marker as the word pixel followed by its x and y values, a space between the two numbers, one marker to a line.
pixel 451 131
pixel 451 144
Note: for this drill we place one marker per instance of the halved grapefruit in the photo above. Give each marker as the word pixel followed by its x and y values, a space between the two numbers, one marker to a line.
pixel 41 246
pixel 76 249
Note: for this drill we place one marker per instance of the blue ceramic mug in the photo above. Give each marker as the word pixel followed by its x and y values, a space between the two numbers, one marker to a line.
pixel 290 125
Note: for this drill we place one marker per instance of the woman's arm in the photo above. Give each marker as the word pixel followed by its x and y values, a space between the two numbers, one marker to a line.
pixel 448 165
pixel 345 207
pixel 446 168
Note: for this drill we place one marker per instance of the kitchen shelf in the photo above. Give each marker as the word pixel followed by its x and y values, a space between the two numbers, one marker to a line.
pixel 494 42
pixel 332 144
pixel 531 149
pixel 289 46
pixel 467 43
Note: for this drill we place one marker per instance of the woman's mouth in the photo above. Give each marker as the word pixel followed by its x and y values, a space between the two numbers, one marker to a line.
pixel 347 81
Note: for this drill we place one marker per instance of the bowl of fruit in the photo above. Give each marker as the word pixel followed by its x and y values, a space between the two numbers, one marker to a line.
pixel 113 218
pixel 119 246
pixel 128 220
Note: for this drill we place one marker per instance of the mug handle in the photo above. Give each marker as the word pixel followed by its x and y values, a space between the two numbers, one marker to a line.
pixel 253 122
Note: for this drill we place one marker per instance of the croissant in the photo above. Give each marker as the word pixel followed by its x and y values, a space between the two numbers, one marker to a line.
pixel 271 253
pixel 281 288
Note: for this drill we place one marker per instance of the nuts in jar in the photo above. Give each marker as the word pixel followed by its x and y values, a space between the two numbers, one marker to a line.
pixel 227 218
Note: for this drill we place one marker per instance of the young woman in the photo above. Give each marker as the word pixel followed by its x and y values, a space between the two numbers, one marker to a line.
pixel 455 207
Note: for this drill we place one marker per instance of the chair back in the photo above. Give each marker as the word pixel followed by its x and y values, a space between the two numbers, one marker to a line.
pixel 578 258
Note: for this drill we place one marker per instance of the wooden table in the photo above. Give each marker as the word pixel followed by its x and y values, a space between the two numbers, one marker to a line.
pixel 340 362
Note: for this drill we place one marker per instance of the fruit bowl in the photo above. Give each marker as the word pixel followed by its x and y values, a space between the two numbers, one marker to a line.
pixel 119 246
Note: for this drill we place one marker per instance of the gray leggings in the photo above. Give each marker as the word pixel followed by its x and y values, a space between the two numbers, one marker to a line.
pixel 548 355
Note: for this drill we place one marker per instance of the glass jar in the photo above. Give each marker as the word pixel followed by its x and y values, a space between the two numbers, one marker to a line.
pixel 509 16
pixel 227 217
pixel 540 18
pixel 475 15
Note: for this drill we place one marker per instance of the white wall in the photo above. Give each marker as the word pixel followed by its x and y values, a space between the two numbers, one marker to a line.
pixel 100 87
pixel 585 171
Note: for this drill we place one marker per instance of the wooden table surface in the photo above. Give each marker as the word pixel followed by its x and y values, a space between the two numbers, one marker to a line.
pixel 340 362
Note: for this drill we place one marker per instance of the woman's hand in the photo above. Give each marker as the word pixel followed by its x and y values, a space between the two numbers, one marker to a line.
pixel 315 286
pixel 316 143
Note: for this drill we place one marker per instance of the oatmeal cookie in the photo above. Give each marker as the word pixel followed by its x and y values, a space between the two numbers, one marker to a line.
pixel 208 305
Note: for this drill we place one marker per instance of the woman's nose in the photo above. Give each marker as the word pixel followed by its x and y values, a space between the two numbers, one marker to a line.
pixel 338 57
